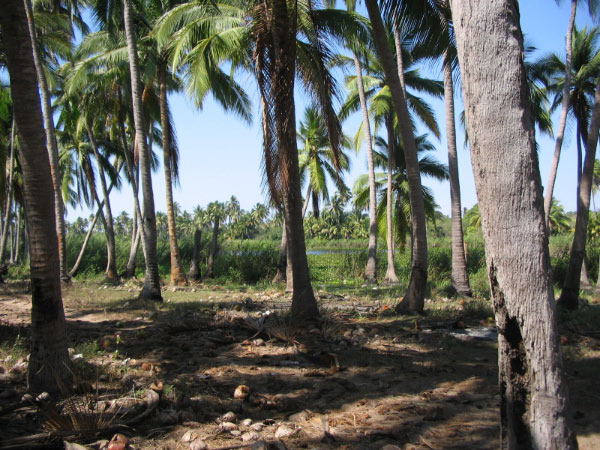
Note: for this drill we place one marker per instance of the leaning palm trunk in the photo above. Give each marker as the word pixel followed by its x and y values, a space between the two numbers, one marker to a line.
pixel 563 115
pixel 51 144
pixel 9 196
pixel 49 363
pixel 109 231
pixel 210 265
pixel 390 274
pixel 75 267
pixel 371 269
pixel 533 390
pixel 570 293
pixel 151 289
pixel 177 273
pixel 460 278
pixel 195 273
pixel 414 298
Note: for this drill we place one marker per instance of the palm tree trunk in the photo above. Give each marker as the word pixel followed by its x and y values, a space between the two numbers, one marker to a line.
pixel 111 253
pixel 390 274
pixel 195 273
pixel 284 23
pixel 9 195
pixel 306 200
pixel 534 401
pixel 177 273
pixel 51 144
pixel 460 278
pixel 151 289
pixel 414 300
pixel 49 360
pixel 280 276
pixel 563 115
pixel 90 230
pixel 18 236
pixel 210 265
pixel 570 293
pixel 371 269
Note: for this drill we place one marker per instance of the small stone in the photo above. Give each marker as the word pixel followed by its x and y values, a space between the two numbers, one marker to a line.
pixel 198 445
pixel 246 422
pixel 257 427
pixel 258 342
pixel 250 436
pixel 228 426
pixel 236 433
pixel 189 436
pixel 229 417
pixel 284 431
pixel 118 442
pixel 241 392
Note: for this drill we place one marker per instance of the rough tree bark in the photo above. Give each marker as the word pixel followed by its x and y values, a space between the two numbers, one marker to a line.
pixel 213 249
pixel 390 274
pixel 49 359
pixel 533 391
pixel 195 273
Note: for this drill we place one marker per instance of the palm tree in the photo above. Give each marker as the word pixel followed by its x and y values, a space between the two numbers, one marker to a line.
pixel 49 360
pixel 593 10
pixel 560 222
pixel 316 158
pixel 151 288
pixel 216 211
pixel 199 220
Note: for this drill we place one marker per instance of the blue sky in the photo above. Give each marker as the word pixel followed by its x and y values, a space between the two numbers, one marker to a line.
pixel 220 155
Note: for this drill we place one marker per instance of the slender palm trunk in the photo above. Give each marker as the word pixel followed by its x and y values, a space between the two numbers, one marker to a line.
pixel 18 236
pixel 177 273
pixel 151 289
pixel 283 29
pixel 109 231
pixel 49 360
pixel 570 293
pixel 195 273
pixel 210 265
pixel 280 276
pixel 390 274
pixel 414 299
pixel 9 195
pixel 534 402
pixel 306 200
pixel 371 269
pixel 563 115
pixel 51 145
pixel 90 230
pixel 460 278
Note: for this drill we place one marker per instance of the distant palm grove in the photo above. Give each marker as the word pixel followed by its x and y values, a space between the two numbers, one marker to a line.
pixel 84 112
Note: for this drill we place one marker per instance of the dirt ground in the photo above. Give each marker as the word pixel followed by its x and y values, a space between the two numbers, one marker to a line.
pixel 230 372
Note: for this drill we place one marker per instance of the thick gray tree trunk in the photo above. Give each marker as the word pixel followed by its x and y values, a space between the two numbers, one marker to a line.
pixel 151 289
pixel 390 274
pixel 560 134
pixel 210 265
pixel 534 402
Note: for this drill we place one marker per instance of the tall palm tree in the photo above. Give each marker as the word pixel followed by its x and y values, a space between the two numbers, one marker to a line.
pixel 593 7
pixel 49 360
pixel 216 211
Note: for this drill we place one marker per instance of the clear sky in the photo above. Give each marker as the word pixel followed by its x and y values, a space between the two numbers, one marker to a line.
pixel 221 155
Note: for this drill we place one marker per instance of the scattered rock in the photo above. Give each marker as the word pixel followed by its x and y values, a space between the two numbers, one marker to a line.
pixel 257 427
pixel 236 433
pixel 198 445
pixel 284 431
pixel 228 426
pixel 118 442
pixel 189 436
pixel 250 436
pixel 228 417
pixel 246 422
pixel 241 392
pixel 258 342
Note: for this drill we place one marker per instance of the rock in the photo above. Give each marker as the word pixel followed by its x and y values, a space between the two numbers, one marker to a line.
pixel 228 426
pixel 258 342
pixel 257 427
pixel 189 436
pixel 250 436
pixel 198 445
pixel 284 431
pixel 246 422
pixel 118 442
pixel 241 392
pixel 259 445
pixel 236 433
pixel 228 417
pixel 299 417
